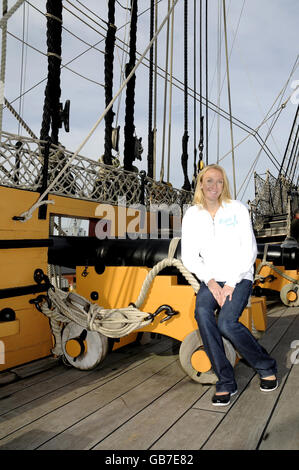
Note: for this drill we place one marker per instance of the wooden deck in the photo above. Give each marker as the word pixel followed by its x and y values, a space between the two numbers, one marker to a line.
pixel 140 399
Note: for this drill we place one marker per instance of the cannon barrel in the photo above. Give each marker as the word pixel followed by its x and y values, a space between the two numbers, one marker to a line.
pixel 83 251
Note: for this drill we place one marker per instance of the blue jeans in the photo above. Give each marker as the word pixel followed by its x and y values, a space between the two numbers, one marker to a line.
pixel 229 327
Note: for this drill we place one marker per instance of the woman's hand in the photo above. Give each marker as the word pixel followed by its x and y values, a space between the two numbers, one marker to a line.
pixel 216 290
pixel 227 291
pixel 220 293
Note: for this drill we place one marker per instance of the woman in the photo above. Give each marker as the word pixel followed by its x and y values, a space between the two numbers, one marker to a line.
pixel 219 247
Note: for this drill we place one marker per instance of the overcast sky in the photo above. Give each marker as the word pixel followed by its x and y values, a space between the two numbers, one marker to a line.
pixel 262 38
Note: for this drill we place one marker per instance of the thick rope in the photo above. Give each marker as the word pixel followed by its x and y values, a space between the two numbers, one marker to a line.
pixel 20 120
pixel 129 143
pixel 51 117
pixel 115 322
pixel 109 58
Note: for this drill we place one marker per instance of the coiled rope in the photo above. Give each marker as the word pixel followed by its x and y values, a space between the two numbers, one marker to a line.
pixel 115 322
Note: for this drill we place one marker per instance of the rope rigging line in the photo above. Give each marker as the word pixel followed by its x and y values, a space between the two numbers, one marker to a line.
pixel 8 13
pixel 287 150
pixel 249 174
pixel 218 67
pixel 254 132
pixel 201 117
pixel 81 19
pixel 51 110
pixel 129 128
pixel 20 120
pixel 184 158
pixel 97 16
pixel 218 114
pixel 219 44
pixel 194 100
pixel 150 157
pixel 108 67
pixel 23 62
pixel 121 63
pixel 28 214
pixel 211 105
pixel 70 32
pixel 62 65
pixel 229 100
pixel 207 73
pixel 3 62
pixel 155 94
pixel 165 99
pixel 170 97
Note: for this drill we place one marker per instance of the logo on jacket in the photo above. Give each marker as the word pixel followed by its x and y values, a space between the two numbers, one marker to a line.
pixel 229 221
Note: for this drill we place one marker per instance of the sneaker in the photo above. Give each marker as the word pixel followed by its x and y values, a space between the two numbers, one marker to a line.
pixel 222 400
pixel 267 385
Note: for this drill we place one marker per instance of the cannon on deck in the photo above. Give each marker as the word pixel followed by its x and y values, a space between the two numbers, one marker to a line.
pixel 110 275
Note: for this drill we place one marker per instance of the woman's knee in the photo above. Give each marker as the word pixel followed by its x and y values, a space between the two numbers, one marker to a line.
pixel 204 316
pixel 225 325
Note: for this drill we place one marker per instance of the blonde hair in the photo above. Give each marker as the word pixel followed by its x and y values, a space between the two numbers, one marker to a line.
pixel 199 198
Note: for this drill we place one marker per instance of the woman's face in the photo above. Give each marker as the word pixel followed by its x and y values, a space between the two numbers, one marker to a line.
pixel 212 185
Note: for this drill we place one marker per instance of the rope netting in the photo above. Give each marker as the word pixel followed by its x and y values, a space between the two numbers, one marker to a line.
pixel 21 166
pixel 274 196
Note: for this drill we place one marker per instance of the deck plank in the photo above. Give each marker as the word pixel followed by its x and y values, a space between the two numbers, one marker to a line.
pixel 244 373
pixel 175 438
pixel 282 431
pixel 109 418
pixel 190 431
pixel 252 409
pixel 146 427
pixel 139 398
pixel 61 409
pixel 14 396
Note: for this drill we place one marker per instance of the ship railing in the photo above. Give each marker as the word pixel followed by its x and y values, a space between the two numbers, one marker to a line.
pixel 275 198
pixel 22 162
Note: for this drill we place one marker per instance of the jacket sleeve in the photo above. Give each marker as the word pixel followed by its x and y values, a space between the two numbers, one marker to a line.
pixel 246 260
pixel 190 247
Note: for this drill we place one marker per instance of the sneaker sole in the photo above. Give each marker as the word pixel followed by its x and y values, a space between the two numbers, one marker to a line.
pixel 225 404
pixel 269 389
pixel 221 404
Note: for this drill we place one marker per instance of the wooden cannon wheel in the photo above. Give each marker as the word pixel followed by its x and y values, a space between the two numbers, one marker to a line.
pixel 195 361
pixel 83 349
pixel 289 294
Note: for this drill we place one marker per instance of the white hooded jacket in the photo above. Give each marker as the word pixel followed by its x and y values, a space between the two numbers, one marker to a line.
pixel 223 248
